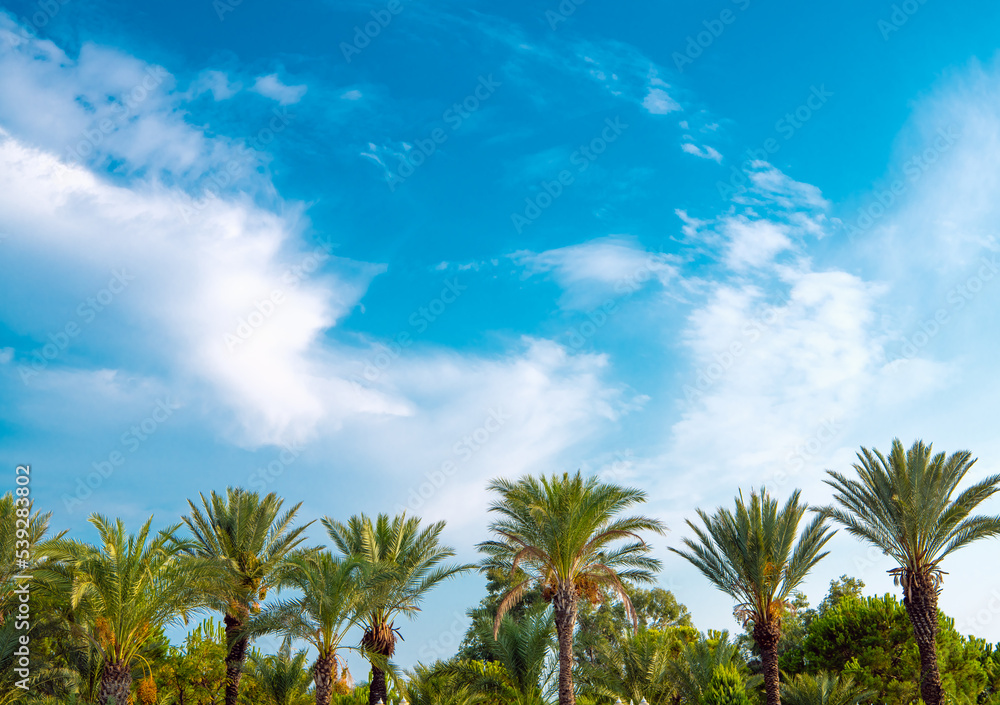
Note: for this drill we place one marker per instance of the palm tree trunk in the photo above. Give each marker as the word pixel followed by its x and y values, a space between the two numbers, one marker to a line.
pixel 379 639
pixel 323 672
pixel 564 606
pixel 920 600
pixel 767 635
pixel 116 682
pixel 237 654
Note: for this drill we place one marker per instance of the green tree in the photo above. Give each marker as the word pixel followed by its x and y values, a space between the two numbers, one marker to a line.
pixel 329 602
pixel 281 679
pixel 728 686
pixel 608 621
pixel 903 505
pixel 400 562
pixel 435 685
pixel 872 639
pixel 195 674
pixel 844 588
pixel 635 667
pixel 692 671
pixel 752 556
pixel 130 586
pixel 518 653
pixel 824 689
pixel 245 541
pixel 562 531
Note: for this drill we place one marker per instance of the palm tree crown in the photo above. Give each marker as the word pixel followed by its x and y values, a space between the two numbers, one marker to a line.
pixel 246 541
pixel 399 562
pixel 903 505
pixel 129 587
pixel 560 532
pixel 330 601
pixel 752 555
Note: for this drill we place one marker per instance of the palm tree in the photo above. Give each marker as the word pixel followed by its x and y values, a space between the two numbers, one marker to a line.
pixel 130 587
pixel 824 689
pixel 518 657
pixel 246 542
pixel 560 531
pixel 330 603
pixel 282 679
pixel 399 564
pixel 902 504
pixel 634 668
pixel 692 671
pixel 749 555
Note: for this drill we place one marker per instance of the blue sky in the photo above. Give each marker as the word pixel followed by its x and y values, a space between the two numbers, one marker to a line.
pixel 370 255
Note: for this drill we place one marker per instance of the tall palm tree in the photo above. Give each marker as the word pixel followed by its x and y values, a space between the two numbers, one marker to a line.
pixel 130 586
pixel 561 532
pixel 400 562
pixel 903 505
pixel 330 603
pixel 749 555
pixel 246 541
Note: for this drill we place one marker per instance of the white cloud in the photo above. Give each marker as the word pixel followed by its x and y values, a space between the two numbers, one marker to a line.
pixel 215 82
pixel 591 270
pixel 659 102
pixel 270 86
pixel 705 152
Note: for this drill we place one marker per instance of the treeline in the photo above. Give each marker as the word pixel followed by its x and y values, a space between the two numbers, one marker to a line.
pixel 569 615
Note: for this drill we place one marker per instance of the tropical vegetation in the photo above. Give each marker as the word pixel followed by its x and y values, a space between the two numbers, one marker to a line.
pixel 238 603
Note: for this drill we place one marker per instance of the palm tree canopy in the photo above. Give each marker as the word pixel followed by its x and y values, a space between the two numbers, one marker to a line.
pixel 824 689
pixel 328 605
pixel 522 646
pixel 751 554
pixel 282 678
pixel 903 504
pixel 399 561
pixel 130 584
pixel 561 531
pixel 245 536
